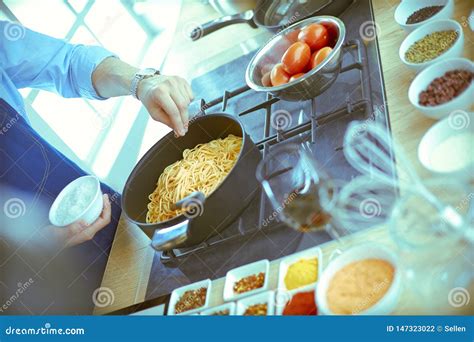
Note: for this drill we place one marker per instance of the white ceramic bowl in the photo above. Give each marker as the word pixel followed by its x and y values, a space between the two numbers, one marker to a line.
pixel 88 186
pixel 458 123
pixel 177 293
pixel 407 8
pixel 286 262
pixel 462 102
pixel 226 306
pixel 238 273
pixel 364 251
pixel 267 297
pixel 456 50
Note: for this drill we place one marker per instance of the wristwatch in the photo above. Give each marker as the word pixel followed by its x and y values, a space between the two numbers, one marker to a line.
pixel 141 75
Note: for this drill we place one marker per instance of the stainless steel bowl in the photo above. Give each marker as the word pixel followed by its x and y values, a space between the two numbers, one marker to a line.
pixel 315 81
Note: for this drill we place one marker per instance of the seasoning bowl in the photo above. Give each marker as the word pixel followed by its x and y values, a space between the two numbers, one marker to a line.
pixel 286 262
pixel 456 50
pixel 226 306
pixel 282 297
pixel 86 187
pixel 460 103
pixel 387 303
pixel 177 293
pixel 267 297
pixel 407 8
pixel 238 273
pixel 441 132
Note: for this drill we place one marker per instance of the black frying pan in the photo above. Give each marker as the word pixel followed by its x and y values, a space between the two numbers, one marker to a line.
pixel 218 210
pixel 274 15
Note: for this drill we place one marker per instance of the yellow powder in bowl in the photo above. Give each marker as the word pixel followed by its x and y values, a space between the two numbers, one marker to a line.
pixel 301 273
pixel 359 285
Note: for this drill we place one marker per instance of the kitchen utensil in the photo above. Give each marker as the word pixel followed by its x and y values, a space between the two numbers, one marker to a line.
pixel 238 273
pixel 407 8
pixel 364 139
pixel 456 50
pixel 461 102
pixel 315 81
pixel 204 218
pixel 274 15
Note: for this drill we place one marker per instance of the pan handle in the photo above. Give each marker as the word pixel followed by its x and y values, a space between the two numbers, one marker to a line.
pixel 214 25
pixel 167 238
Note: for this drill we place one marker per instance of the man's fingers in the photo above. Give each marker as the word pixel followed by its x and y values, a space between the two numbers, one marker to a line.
pixel 182 102
pixel 188 90
pixel 160 115
pixel 171 109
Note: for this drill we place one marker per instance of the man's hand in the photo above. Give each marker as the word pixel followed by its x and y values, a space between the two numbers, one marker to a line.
pixel 167 99
pixel 79 232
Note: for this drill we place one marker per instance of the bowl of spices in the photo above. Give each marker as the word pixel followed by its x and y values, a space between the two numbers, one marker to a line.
pixel 300 269
pixel 447 147
pixel 190 299
pixel 246 280
pixel 226 309
pixel 432 41
pixel 412 14
pixel 363 280
pixel 443 88
pixel 299 302
pixel 262 304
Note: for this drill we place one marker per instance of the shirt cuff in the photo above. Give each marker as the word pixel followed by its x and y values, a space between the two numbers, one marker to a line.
pixel 87 61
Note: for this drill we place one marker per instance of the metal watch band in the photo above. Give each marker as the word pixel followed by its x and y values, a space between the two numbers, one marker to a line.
pixel 140 75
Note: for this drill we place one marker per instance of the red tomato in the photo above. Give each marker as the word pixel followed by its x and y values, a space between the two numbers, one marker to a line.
pixel 294 77
pixel 320 56
pixel 315 35
pixel 278 75
pixel 296 57
pixel 292 37
pixel 266 81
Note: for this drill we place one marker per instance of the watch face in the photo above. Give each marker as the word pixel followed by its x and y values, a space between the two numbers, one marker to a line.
pixel 147 72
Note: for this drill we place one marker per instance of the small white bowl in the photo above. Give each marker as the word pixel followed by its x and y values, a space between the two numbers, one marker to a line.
pixel 267 297
pixel 456 50
pixel 387 303
pixel 439 133
pixel 93 205
pixel 282 297
pixel 462 102
pixel 177 293
pixel 226 306
pixel 286 262
pixel 236 274
pixel 407 8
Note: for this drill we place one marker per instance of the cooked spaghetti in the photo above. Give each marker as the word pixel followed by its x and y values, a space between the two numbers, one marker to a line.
pixel 202 168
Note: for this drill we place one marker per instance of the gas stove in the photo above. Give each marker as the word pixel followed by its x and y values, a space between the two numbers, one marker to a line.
pixel 320 124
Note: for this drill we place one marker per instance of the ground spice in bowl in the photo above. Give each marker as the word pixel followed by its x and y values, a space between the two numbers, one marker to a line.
pixel 445 88
pixel 423 14
pixel 301 304
pixel 256 310
pixel 191 299
pixel 431 46
pixel 252 282
pixel 301 273
pixel 221 313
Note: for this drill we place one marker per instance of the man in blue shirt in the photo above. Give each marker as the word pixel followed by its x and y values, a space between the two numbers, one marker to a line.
pixel 31 59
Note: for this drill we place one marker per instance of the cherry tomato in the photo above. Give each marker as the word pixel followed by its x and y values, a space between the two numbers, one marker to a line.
pixel 266 68
pixel 320 56
pixel 294 77
pixel 315 35
pixel 296 57
pixel 292 37
pixel 278 75
pixel 266 81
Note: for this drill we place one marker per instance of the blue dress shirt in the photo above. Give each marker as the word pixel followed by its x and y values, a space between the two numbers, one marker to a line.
pixel 34 60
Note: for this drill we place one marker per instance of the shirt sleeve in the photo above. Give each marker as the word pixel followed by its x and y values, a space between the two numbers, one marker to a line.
pixel 34 60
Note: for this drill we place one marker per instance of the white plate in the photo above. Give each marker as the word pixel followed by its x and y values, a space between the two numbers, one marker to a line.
pixel 291 259
pixel 462 102
pixel 177 293
pixel 407 8
pixel 244 271
pixel 282 297
pixel 456 50
pixel 267 297
pixel 226 306
pixel 364 251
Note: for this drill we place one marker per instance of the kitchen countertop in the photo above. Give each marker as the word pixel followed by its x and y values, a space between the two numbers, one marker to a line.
pixel 131 257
